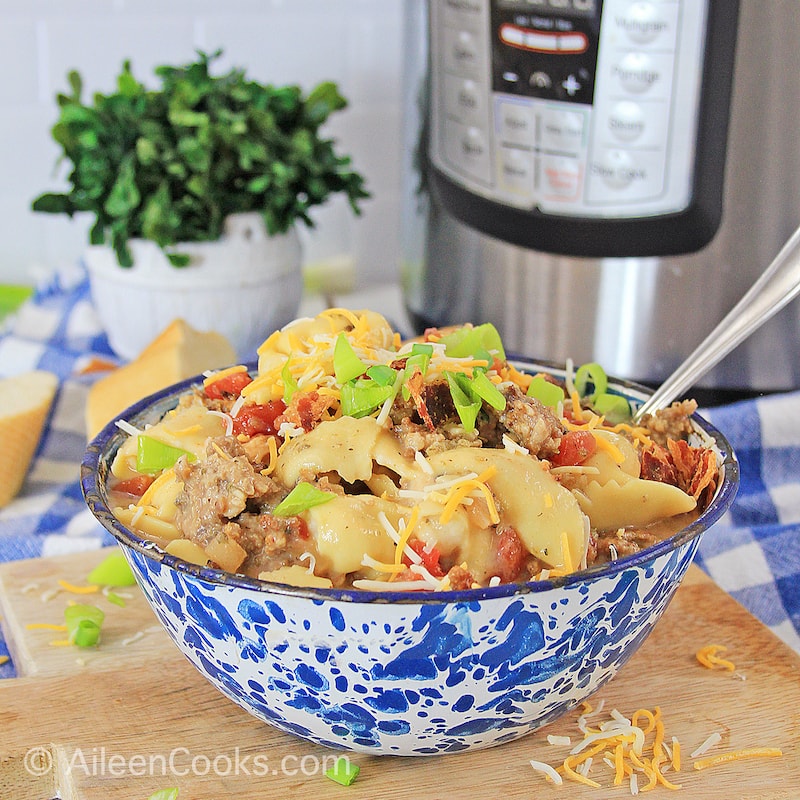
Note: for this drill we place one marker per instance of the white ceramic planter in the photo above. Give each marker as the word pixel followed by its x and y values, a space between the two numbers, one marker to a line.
pixel 244 286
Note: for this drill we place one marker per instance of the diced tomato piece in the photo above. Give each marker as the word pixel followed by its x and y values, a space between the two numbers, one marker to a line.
pixel 229 385
pixel 575 448
pixel 137 485
pixel 430 558
pixel 254 418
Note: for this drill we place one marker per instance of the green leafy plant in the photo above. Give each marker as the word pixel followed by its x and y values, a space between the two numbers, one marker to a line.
pixel 171 164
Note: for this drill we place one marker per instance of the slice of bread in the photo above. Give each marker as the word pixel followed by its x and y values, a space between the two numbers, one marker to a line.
pixel 177 353
pixel 25 402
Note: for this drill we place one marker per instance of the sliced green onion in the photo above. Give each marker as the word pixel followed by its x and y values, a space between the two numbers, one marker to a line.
pixel 301 498
pixel 289 383
pixel 362 398
pixel 382 374
pixel 546 392
pixel 590 374
pixel 477 342
pixel 113 570
pixel 467 404
pixel 83 623
pixel 487 391
pixel 165 794
pixel 614 407
pixel 418 349
pixel 114 598
pixel 153 455
pixel 343 771
pixel 346 364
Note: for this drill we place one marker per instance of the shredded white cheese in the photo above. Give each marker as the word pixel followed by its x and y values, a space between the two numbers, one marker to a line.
pixel 226 418
pixel 715 738
pixel 540 766
pixel 131 430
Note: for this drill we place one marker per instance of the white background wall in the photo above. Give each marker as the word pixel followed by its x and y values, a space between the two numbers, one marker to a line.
pixel 357 43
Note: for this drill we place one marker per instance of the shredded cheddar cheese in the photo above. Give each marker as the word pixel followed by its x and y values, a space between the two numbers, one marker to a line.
pixel 69 587
pixel 272 446
pixel 708 657
pixel 464 488
pixel 737 755
pixel 223 373
pixel 45 626
pixel 634 750
pixel 610 448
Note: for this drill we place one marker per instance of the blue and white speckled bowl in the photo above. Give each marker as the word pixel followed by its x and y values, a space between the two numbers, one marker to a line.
pixel 399 673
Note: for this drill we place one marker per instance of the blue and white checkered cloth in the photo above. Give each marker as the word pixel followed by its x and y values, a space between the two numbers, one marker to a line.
pixel 753 552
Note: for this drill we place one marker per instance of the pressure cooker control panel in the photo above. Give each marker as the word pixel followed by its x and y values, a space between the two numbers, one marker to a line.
pixel 584 108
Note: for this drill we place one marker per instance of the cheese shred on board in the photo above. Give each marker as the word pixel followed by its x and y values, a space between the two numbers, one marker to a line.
pixel 631 751
pixel 709 658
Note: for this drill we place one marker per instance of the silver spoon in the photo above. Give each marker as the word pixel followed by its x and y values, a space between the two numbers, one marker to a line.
pixel 778 285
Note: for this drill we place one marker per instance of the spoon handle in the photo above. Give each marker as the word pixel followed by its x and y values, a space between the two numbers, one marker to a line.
pixel 778 285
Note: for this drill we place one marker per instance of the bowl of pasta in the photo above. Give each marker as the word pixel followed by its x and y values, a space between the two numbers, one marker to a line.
pixel 406 547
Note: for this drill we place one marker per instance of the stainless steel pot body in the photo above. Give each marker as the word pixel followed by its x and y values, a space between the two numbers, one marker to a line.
pixel 637 316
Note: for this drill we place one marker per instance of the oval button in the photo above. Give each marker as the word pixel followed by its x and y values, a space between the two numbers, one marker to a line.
pixel 637 73
pixel 626 121
pixel 643 23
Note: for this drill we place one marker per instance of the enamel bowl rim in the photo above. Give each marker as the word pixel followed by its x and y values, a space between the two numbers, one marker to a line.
pixel 102 447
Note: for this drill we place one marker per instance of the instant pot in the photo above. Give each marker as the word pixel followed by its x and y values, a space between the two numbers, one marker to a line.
pixel 603 179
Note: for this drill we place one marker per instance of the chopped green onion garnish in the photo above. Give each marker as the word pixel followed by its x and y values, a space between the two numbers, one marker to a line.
pixel 362 398
pixel 289 383
pixel 153 456
pixel 547 393
pixel 590 374
pixel 86 634
pixel 467 404
pixel 165 794
pixel 343 771
pixel 113 570
pixel 614 407
pixel 477 342
pixel 487 391
pixel 418 349
pixel 382 374
pixel 346 364
pixel 83 623
pixel 115 599
pixel 301 498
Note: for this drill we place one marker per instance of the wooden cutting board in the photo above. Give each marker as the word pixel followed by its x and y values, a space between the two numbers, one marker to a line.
pixel 134 716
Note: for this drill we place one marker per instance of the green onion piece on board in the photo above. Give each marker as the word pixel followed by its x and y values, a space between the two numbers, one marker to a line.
pixel 590 374
pixel 83 623
pixel 467 404
pixel 614 407
pixel 346 364
pixel 165 794
pixel 487 391
pixel 114 598
pixel 382 374
pixel 301 498
pixel 289 383
pixel 343 771
pixel 113 570
pixel 478 341
pixel 154 456
pixel 547 393
pixel 362 398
